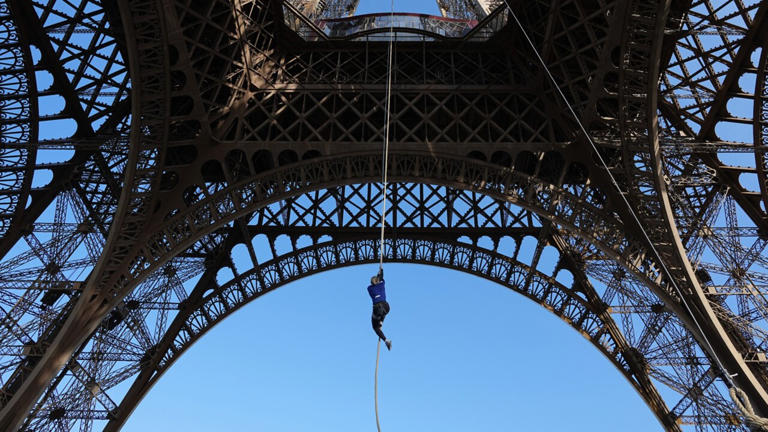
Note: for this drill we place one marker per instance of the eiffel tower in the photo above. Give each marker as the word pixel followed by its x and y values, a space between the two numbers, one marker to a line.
pixel 143 141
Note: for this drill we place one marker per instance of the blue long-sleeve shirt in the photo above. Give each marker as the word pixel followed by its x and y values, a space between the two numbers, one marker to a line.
pixel 377 292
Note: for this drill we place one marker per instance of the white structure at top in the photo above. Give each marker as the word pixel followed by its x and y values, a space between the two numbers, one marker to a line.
pixel 467 9
pixel 326 9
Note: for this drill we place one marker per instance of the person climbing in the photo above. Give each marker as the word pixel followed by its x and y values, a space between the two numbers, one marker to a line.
pixel 380 305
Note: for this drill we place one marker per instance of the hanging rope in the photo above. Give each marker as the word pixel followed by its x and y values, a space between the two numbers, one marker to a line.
pixel 385 161
pixel 385 150
pixel 376 386
pixel 755 422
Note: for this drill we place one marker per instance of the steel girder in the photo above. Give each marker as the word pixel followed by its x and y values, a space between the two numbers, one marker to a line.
pixel 239 129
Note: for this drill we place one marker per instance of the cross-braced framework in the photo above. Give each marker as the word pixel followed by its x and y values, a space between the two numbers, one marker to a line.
pixel 165 162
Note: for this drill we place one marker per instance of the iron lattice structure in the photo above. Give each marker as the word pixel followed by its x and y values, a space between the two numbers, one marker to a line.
pixel 149 145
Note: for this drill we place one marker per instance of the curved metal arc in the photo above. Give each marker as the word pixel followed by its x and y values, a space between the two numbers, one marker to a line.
pixel 169 351
pixel 600 228
pixel 727 353
pixel 33 122
pixel 91 307
pixel 33 133
pixel 760 125
pixel 484 178
pixel 718 110
pixel 290 181
pixel 30 151
pixel 79 109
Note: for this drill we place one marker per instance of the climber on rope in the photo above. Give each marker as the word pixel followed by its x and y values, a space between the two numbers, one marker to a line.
pixel 380 305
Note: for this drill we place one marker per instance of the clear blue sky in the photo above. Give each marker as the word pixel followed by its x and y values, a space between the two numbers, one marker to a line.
pixel 420 6
pixel 467 355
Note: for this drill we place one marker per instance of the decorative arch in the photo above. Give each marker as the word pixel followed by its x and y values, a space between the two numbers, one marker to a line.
pixel 557 206
pixel 596 226
pixel 21 121
pixel 577 305
pixel 577 214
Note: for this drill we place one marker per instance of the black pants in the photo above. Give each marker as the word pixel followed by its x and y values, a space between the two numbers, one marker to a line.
pixel 380 311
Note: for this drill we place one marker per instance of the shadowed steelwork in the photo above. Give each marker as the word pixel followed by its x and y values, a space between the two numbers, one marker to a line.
pixel 164 162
